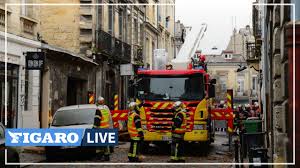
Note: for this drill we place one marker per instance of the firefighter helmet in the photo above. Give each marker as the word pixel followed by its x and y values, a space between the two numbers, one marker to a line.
pixel 132 106
pixel 100 98
pixel 177 104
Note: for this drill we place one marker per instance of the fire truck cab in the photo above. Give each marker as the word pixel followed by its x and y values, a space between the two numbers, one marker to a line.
pixel 157 90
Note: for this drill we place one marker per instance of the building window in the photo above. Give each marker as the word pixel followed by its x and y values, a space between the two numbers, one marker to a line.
pixel 240 86
pixel 141 35
pixel 254 82
pixel 26 90
pixel 27 10
pixel 110 19
pixel 136 32
pixel 228 56
pixel 159 13
pixel 2 18
pixel 223 83
pixel 153 14
pixel 128 28
pixel 147 50
pixel 121 24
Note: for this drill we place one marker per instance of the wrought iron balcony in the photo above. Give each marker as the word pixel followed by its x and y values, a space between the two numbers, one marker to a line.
pixel 127 52
pixel 118 48
pixel 113 48
pixel 105 41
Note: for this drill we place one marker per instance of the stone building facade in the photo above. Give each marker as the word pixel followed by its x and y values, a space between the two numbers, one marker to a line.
pixel 224 68
pixel 166 25
pixel 108 35
pixel 159 30
pixel 23 86
pixel 180 34
pixel 273 27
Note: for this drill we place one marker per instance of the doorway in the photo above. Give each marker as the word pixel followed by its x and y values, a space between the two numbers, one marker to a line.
pixel 76 90
pixel 110 88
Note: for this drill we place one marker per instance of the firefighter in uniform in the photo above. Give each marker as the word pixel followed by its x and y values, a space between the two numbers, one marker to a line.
pixel 178 131
pixel 102 120
pixel 135 132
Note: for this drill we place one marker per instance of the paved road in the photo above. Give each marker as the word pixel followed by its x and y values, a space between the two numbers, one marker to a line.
pixel 218 153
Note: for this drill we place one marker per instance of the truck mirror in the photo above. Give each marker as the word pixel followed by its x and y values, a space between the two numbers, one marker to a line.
pixel 213 81
pixel 211 91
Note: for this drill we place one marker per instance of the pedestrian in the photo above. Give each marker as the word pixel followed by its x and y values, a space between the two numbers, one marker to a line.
pixel 103 120
pixel 178 131
pixel 135 131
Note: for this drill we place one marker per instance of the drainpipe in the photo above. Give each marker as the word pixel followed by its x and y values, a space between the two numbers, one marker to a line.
pixel 174 46
pixel 157 24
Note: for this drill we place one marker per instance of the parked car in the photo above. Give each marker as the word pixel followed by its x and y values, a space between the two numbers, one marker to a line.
pixel 77 116
pixel 12 153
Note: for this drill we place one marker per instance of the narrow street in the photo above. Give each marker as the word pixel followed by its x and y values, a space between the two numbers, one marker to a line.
pixel 157 154
pixel 154 80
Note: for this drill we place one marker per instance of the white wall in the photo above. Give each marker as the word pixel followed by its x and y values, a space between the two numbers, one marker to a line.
pixel 16 47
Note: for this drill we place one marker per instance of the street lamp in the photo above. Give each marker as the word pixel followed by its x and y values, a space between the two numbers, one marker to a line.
pixel 241 68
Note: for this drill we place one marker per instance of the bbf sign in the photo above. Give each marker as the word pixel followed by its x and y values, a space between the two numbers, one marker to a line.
pixel 35 60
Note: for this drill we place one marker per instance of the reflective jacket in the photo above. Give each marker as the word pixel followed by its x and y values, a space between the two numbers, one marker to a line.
pixel 102 119
pixel 179 126
pixel 134 126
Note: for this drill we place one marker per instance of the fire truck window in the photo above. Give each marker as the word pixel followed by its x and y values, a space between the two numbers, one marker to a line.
pixel 171 88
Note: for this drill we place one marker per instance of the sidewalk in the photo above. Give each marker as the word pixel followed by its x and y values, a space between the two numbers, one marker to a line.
pixel 33 149
pixel 32 155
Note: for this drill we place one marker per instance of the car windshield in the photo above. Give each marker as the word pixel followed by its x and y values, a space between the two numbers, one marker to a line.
pixel 74 117
pixel 171 88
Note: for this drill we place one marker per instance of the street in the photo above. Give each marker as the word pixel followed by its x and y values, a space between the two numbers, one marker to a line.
pixel 157 154
pixel 158 80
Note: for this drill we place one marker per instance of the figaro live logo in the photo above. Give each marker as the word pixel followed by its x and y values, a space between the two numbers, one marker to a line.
pixel 61 137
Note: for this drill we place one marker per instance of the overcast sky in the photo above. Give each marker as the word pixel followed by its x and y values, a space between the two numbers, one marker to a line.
pixel 218 15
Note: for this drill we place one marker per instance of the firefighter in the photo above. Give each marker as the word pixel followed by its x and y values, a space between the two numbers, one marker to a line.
pixel 103 120
pixel 101 105
pixel 202 63
pixel 178 131
pixel 135 132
